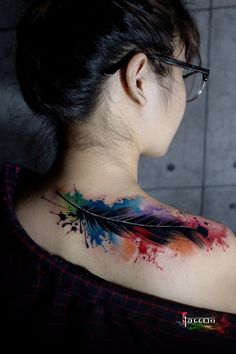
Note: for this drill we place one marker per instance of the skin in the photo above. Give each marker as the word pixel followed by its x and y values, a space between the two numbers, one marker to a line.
pixel 137 111
pixel 106 175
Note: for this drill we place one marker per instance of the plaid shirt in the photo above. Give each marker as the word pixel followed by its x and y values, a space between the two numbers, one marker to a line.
pixel 46 299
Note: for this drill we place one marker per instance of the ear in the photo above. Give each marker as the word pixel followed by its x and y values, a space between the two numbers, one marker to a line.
pixel 135 78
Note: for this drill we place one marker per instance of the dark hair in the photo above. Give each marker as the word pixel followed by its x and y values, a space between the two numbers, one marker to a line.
pixel 63 47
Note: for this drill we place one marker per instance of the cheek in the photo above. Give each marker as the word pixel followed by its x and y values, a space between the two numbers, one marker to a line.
pixel 184 93
pixel 181 96
pixel 184 98
pixel 178 105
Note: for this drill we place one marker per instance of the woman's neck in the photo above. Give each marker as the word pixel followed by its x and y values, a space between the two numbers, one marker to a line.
pixel 96 169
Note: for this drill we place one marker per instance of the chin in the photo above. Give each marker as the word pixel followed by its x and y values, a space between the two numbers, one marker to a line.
pixel 155 153
pixel 163 153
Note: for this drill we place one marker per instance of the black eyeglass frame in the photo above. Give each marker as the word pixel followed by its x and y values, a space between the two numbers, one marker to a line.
pixel 167 60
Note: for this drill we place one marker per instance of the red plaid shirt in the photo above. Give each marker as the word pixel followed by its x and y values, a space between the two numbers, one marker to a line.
pixel 46 299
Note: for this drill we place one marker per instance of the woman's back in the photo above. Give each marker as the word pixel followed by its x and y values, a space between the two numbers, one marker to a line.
pixel 189 259
pixel 48 300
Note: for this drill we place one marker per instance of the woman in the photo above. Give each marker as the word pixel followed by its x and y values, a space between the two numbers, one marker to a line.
pixel 92 259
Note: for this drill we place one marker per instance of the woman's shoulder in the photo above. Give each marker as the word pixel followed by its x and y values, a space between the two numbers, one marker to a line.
pixel 182 257
pixel 198 263
pixel 156 249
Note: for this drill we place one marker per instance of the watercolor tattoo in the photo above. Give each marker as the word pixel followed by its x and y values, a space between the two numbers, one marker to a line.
pixel 137 227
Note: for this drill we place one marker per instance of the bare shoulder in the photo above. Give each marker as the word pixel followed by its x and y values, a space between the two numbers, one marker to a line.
pixel 144 244
pixel 198 263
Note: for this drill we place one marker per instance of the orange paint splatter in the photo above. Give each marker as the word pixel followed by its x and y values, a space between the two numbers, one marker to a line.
pixel 128 249
pixel 182 246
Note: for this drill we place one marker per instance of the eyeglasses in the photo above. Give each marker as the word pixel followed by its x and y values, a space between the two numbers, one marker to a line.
pixel 195 76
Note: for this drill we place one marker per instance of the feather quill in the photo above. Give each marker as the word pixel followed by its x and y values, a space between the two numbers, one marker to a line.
pixel 101 222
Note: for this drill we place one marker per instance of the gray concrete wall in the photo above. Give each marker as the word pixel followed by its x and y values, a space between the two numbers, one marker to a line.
pixel 198 174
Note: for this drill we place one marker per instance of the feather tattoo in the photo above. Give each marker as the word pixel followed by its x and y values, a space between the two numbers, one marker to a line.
pixel 128 221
